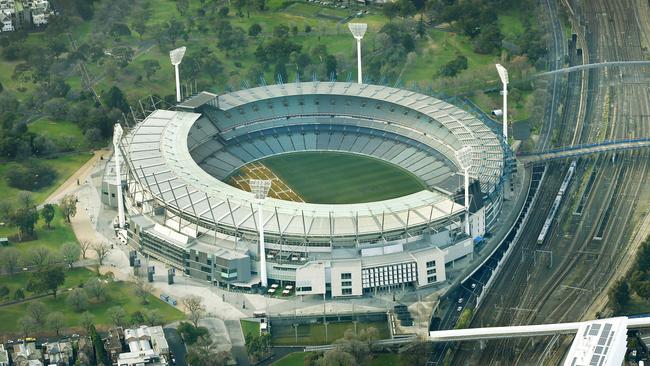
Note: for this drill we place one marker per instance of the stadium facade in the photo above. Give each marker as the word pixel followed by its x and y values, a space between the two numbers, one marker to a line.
pixel 182 212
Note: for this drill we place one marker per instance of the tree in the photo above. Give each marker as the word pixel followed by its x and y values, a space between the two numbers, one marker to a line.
pixel 331 65
pixel 70 253
pixel 191 333
pixel 77 299
pixel 153 317
pixel 102 250
pixel 142 289
pixel 140 26
pixel 182 6
pixel 455 66
pixel 26 324
pixel 619 295
pixel 25 219
pixel 416 353
pixel 336 357
pixel 37 311
pixel 55 321
pixel 96 288
pixel 19 295
pixel 4 291
pixel 150 68
pixel 114 98
pixel 84 245
pixel 48 214
pixel 194 306
pixel 205 353
pixel 49 279
pixel 117 315
pixel 39 256
pixel 10 259
pixel 254 30
pixel 390 10
pixel 87 320
pixel 281 71
pixel 172 31
pixel 68 205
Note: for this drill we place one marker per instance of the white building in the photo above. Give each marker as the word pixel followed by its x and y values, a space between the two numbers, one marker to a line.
pixel 4 356
pixel 27 355
pixel 147 346
pixel 6 22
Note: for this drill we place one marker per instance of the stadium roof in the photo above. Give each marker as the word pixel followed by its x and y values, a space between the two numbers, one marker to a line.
pixel 158 154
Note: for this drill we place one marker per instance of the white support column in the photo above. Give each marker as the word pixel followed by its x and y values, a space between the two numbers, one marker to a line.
pixel 178 84
pixel 360 78
pixel 263 276
pixel 117 136
pixel 505 111
pixel 503 75
pixel 467 201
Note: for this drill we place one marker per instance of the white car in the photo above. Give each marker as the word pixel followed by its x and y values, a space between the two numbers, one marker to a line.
pixel 460 308
pixel 460 301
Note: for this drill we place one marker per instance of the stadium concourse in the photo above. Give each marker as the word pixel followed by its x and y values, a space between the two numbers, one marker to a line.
pixel 181 210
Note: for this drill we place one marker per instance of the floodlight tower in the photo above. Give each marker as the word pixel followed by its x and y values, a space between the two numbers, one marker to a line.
pixel 117 136
pixel 503 74
pixel 260 188
pixel 177 56
pixel 464 156
pixel 358 30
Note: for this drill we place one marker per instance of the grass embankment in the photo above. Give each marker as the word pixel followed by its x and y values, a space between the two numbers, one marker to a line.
pixel 314 334
pixel 117 294
pixel 65 166
pixel 328 177
pixel 250 327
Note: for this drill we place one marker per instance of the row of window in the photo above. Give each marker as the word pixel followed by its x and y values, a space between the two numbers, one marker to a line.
pixel 389 275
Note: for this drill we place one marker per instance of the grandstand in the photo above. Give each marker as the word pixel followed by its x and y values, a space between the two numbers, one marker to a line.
pixel 177 161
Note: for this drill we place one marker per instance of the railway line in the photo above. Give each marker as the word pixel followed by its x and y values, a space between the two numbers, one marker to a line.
pixel 558 280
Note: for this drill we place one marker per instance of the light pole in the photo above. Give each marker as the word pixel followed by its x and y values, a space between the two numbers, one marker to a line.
pixel 117 136
pixel 358 30
pixel 177 56
pixel 503 74
pixel 260 188
pixel 464 157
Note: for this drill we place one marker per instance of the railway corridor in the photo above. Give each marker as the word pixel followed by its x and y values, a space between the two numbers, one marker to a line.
pixel 558 280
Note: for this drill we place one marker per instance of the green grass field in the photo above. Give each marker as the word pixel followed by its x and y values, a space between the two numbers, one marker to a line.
pixel 63 133
pixel 314 334
pixel 250 327
pixel 52 239
pixel 331 177
pixel 65 165
pixel 118 294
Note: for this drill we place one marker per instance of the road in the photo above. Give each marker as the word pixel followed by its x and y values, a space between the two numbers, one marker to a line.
pixel 558 280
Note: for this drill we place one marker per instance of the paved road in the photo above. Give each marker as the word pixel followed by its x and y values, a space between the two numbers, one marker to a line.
pixel 176 345
pixel 237 340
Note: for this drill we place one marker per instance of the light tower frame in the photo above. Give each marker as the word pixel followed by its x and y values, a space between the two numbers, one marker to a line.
pixel 118 132
pixel 358 30
pixel 176 57
pixel 503 75
pixel 260 188
pixel 464 157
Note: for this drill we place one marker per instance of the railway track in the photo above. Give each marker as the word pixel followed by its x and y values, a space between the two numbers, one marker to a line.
pixel 582 265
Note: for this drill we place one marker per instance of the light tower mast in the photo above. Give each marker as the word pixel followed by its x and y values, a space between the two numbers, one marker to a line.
pixel 117 136
pixel 358 30
pixel 464 157
pixel 503 74
pixel 176 57
pixel 260 188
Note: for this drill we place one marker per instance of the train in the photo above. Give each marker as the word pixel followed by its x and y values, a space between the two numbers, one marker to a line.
pixel 556 203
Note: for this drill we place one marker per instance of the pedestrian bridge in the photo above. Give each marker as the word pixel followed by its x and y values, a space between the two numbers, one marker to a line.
pixel 596 342
pixel 588 149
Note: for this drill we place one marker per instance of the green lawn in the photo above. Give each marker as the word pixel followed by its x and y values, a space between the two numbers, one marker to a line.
pixel 292 359
pixel 314 334
pixel 65 166
pixel 119 294
pixel 52 239
pixel 63 133
pixel 330 177
pixel 73 278
pixel 250 327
